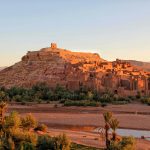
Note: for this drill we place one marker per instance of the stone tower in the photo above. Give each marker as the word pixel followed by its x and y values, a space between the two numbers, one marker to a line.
pixel 53 45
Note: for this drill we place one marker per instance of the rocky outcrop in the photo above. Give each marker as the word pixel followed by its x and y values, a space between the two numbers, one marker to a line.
pixel 74 70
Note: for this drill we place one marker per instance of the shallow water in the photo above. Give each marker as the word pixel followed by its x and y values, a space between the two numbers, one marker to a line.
pixel 134 133
pixel 131 132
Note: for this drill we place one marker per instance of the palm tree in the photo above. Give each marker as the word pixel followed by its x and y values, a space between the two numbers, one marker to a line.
pixel 114 123
pixel 3 106
pixel 107 117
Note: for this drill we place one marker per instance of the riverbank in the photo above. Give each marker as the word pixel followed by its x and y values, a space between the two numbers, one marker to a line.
pixel 79 122
pixel 130 116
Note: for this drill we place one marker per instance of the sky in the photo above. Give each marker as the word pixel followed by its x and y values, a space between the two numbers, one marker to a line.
pixel 112 28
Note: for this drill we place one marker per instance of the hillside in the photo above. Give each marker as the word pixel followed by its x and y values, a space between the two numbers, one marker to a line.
pixel 74 70
pixel 1 68
pixel 141 65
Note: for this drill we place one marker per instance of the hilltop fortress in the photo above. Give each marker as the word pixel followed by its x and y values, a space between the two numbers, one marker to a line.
pixel 74 70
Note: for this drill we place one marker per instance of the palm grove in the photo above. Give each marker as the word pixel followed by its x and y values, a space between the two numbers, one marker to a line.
pixel 82 97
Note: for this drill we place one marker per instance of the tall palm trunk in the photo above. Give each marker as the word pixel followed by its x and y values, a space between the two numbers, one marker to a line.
pixel 107 135
pixel 107 118
pixel 114 136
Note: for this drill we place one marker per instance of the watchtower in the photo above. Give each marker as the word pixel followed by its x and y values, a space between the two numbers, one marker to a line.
pixel 53 45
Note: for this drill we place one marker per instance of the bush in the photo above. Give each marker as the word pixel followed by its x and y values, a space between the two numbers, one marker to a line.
pixel 106 98
pixel 12 121
pixel 131 97
pixel 62 101
pixel 115 146
pixel 28 122
pixel 145 100
pixel 10 144
pixel 62 142
pixel 45 142
pixel 26 146
pixel 2 95
pixel 19 136
pixel 23 103
pixel 138 96
pixel 17 98
pixel 41 127
pixel 75 146
pixel 128 143
pixel 120 102
pixel 81 103
pixel 104 104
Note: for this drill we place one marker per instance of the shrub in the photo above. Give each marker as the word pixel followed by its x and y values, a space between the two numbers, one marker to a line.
pixel 128 143
pixel 131 97
pixel 107 98
pixel 28 122
pixel 23 103
pixel 90 95
pixel 62 101
pixel 2 95
pixel 104 104
pixel 62 142
pixel 115 146
pixel 138 95
pixel 145 100
pixel 120 102
pixel 45 142
pixel 39 101
pixel 41 127
pixel 17 98
pixel 81 103
pixel 10 144
pixel 12 121
pixel 26 146
pixel 20 136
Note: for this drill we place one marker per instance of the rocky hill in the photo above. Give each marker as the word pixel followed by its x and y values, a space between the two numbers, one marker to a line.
pixel 74 70
pixel 1 68
pixel 141 65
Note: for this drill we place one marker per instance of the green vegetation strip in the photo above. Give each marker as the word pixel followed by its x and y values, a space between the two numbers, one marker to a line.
pixel 82 147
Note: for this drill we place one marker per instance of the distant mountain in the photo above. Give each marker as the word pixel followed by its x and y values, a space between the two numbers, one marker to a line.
pixel 1 68
pixel 139 64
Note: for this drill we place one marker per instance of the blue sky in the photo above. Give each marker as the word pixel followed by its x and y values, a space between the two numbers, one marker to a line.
pixel 113 28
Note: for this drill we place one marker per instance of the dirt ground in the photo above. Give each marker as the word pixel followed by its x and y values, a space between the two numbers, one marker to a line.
pixel 78 122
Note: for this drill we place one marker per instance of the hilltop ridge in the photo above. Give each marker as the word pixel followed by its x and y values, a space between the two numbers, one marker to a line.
pixel 140 64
